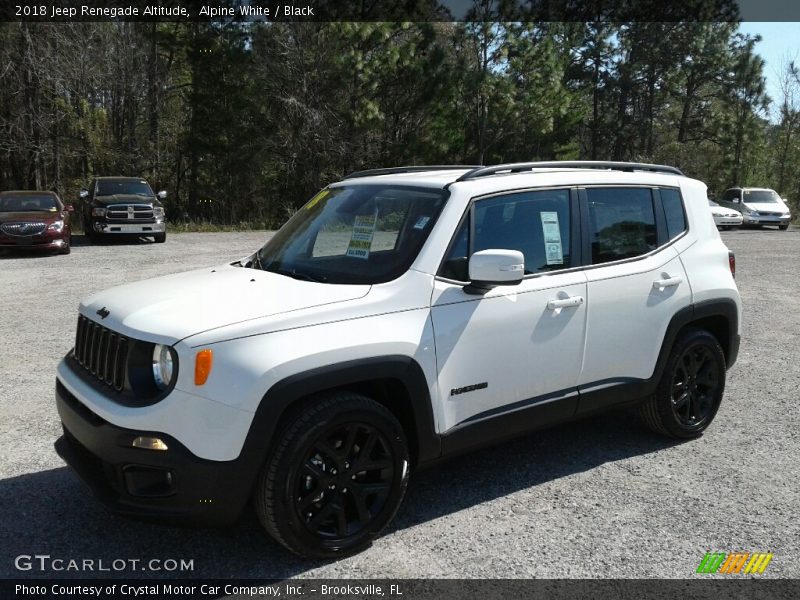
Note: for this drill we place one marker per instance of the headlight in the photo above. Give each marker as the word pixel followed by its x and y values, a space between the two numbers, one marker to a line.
pixel 98 212
pixel 163 366
pixel 56 226
pixel 158 212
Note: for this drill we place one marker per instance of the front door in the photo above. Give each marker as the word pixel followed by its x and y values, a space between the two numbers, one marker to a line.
pixel 513 346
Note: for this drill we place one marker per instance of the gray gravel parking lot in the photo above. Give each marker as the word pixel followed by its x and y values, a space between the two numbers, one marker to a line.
pixel 597 498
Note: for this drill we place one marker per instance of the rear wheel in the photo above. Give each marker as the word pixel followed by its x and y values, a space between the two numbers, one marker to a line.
pixel 336 477
pixel 690 391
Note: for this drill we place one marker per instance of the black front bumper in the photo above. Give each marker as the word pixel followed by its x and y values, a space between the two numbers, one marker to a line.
pixel 172 485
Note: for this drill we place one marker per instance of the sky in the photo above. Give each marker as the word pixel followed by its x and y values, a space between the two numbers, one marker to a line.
pixel 778 41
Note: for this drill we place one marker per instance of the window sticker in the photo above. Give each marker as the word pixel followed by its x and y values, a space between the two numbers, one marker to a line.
pixel 361 239
pixel 553 251
pixel 421 222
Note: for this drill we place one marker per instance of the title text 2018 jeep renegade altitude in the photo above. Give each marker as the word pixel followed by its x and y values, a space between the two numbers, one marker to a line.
pixel 402 315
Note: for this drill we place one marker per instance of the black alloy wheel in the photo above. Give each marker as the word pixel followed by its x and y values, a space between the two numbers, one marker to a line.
pixel 335 477
pixel 344 481
pixel 689 393
pixel 695 383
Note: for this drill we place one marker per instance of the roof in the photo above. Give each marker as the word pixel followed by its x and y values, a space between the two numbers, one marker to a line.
pixel 496 176
pixel 115 178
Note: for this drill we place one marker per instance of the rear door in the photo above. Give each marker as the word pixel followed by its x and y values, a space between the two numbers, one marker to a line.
pixel 636 283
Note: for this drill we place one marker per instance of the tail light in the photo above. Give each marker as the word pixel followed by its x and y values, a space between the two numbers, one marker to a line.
pixel 732 263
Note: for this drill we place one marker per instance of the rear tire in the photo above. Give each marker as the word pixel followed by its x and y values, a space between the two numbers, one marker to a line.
pixel 690 391
pixel 335 477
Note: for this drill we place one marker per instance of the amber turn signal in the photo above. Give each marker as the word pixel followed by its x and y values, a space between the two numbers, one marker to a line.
pixel 202 366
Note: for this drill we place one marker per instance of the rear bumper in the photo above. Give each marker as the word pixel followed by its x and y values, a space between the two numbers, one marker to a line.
pixel 172 485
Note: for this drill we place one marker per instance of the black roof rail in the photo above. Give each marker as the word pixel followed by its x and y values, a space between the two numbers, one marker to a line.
pixel 409 169
pixel 567 164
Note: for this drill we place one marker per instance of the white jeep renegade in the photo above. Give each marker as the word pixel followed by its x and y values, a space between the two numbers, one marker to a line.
pixel 401 316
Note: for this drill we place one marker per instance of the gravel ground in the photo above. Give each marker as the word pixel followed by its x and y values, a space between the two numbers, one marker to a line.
pixel 597 498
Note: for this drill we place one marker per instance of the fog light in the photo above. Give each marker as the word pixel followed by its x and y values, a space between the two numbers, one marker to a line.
pixel 149 443
pixel 148 482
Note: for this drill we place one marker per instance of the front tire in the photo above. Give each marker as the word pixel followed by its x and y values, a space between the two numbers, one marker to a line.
pixel 783 227
pixel 690 391
pixel 160 238
pixel 335 477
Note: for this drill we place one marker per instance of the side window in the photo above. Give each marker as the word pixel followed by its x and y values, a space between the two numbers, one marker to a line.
pixel 731 196
pixel 621 223
pixel 535 223
pixel 673 211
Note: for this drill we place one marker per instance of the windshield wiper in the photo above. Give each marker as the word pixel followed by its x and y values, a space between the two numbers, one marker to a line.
pixel 301 276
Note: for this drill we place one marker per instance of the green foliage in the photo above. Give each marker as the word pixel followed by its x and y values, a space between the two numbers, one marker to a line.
pixel 242 123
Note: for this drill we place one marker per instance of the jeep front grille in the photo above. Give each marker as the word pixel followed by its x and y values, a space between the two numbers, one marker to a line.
pixel 130 212
pixel 26 228
pixel 102 352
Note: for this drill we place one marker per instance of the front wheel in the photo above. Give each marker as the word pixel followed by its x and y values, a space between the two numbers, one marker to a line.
pixel 690 391
pixel 160 238
pixel 335 478
pixel 783 227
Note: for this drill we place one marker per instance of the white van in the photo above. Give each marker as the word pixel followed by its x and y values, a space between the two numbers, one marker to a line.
pixel 759 206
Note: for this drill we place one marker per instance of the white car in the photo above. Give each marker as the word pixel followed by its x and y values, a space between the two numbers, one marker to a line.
pixel 759 206
pixel 725 218
pixel 401 316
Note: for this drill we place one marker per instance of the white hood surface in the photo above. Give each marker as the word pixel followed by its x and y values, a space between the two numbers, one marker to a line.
pixel 775 207
pixel 170 308
pixel 721 211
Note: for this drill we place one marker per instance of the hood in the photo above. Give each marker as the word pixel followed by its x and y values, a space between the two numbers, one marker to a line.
pixel 126 199
pixel 170 308
pixel 41 216
pixel 721 211
pixel 767 206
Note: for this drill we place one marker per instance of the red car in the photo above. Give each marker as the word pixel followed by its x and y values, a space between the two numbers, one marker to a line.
pixel 34 220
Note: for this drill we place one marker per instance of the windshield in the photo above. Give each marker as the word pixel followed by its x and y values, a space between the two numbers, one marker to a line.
pixel 134 188
pixel 354 234
pixel 28 203
pixel 760 197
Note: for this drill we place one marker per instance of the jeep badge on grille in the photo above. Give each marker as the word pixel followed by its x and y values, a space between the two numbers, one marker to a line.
pixel 103 312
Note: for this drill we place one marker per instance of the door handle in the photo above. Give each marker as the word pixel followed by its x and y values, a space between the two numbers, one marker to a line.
pixel 565 303
pixel 660 284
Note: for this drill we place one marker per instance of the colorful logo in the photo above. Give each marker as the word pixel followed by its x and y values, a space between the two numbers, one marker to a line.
pixel 736 562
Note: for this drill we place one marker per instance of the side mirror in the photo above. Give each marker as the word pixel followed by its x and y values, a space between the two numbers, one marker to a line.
pixel 490 268
pixel 83 193
pixel 69 208
pixel 162 194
